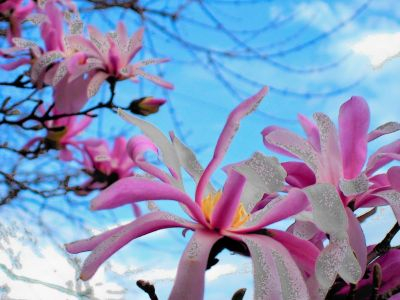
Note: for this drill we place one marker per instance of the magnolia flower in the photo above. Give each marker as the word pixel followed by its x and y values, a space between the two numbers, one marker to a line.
pixel 15 12
pixel 280 260
pixel 105 165
pixel 338 159
pixel 61 134
pixel 105 57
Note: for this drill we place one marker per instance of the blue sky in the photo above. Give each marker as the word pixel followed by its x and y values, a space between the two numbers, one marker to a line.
pixel 302 36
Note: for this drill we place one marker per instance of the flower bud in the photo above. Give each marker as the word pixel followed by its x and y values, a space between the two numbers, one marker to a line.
pixel 146 106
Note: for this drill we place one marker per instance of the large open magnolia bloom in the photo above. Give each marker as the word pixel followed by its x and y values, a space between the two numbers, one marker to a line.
pixel 61 134
pixel 338 158
pixel 281 261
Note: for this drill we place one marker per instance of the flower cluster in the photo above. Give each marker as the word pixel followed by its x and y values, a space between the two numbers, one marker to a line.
pixel 73 64
pixel 321 192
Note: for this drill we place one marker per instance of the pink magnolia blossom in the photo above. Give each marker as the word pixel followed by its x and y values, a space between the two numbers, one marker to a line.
pixel 62 133
pixel 280 260
pixel 338 158
pixel 102 58
pixel 105 165
pixel 15 12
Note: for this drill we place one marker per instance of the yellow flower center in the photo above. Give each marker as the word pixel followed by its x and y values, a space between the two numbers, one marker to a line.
pixel 209 202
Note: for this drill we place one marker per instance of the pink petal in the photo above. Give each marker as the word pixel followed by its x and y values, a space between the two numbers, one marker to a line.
pixel 154 78
pixel 273 147
pixel 330 150
pixel 134 45
pixel 225 139
pixel 70 97
pixel 386 128
pixel 106 244
pixel 132 189
pixel 303 252
pixel 95 82
pixel 276 210
pixel 189 281
pixel 296 145
pixel 311 130
pixel 380 157
pixel 393 176
pixel 78 127
pixel 353 131
pixel 357 239
pixel 225 209
pixel 392 197
pixel 43 62
pixel 137 147
pixel 298 174
pixel 66 155
pixel 276 275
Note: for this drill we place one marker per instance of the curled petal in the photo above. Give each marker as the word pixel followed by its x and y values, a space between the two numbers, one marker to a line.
pixel 169 155
pixel 274 147
pixel 298 174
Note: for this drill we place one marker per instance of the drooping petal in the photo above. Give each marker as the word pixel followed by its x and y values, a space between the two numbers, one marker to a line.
pixel 330 150
pixel 386 128
pixel 132 189
pixel 106 245
pixel 15 64
pixel 304 252
pixel 311 130
pixel 225 209
pixel 298 174
pixel 228 132
pixel 393 176
pixel 189 281
pixel 276 275
pixel 354 118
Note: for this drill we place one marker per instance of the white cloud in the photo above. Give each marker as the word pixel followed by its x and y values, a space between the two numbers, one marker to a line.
pixel 379 47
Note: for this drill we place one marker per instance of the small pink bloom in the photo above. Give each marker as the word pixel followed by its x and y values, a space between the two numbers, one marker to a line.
pixel 62 133
pixel 105 166
pixel 15 12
